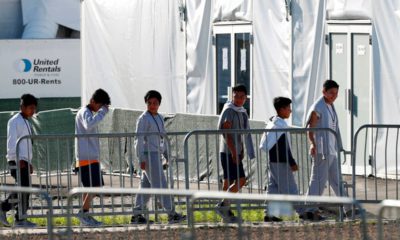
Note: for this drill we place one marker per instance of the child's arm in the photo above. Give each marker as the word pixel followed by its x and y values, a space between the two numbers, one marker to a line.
pixel 140 140
pixel 12 140
pixel 312 123
pixel 230 141
pixel 91 121
pixel 249 146
pixel 292 162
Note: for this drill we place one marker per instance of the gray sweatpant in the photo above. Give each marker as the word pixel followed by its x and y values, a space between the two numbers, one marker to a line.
pixel 324 170
pixel 152 177
pixel 281 180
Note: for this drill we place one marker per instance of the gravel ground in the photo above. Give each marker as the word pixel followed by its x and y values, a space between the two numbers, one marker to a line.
pixel 286 230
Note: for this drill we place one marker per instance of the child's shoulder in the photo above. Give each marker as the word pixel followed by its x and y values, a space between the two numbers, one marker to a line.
pixel 15 118
pixel 228 112
pixel 144 116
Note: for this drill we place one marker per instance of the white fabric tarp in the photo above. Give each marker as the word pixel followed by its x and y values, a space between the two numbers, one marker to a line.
pixel 308 55
pixel 10 19
pixel 271 52
pixel 271 70
pixel 386 85
pixel 132 47
pixel 42 17
pixel 309 19
pixel 201 14
pixel 200 62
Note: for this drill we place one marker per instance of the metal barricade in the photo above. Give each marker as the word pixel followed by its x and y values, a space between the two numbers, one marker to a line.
pixel 389 220
pixel 116 224
pixel 250 223
pixel 375 163
pixel 4 179
pixel 54 160
pixel 204 223
pixel 54 165
pixel 37 195
pixel 204 168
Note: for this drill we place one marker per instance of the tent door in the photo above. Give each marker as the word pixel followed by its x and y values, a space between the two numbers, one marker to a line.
pixel 349 64
pixel 233 61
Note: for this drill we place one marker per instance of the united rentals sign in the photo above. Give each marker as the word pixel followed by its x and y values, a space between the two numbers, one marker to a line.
pixel 46 68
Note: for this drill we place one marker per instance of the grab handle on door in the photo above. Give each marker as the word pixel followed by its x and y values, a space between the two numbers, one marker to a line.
pixel 348 99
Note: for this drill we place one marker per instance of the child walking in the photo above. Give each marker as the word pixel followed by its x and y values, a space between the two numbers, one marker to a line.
pixel 17 127
pixel 234 116
pixel 281 161
pixel 151 148
pixel 88 149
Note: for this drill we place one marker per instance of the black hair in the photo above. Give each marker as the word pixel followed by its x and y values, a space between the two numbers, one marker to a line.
pixel 328 84
pixel 152 94
pixel 240 88
pixel 101 96
pixel 281 102
pixel 28 99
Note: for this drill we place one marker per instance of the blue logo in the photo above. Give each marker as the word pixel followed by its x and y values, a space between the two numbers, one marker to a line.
pixel 23 65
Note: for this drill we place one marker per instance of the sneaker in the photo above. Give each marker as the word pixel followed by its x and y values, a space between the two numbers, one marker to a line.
pixel 349 214
pixel 94 221
pixel 24 224
pixel 272 219
pixel 312 216
pixel 222 210
pixel 86 219
pixel 3 219
pixel 176 218
pixel 231 219
pixel 226 214
pixel 140 219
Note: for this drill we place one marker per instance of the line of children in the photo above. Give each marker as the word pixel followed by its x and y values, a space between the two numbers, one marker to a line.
pixel 281 162
pixel 152 150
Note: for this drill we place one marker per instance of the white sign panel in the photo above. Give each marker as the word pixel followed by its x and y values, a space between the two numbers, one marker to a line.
pixel 361 50
pixel 44 68
pixel 339 48
pixel 243 59
pixel 225 58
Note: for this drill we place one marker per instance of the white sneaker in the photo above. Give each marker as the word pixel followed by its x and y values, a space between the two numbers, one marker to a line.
pixel 3 219
pixel 25 224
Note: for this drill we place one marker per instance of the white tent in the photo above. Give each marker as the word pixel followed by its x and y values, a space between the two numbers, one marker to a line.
pixel 174 46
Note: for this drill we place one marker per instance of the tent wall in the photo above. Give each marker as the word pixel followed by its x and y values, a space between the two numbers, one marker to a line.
pixel 271 52
pixel 131 47
pixel 200 62
pixel 271 72
pixel 308 55
pixel 201 16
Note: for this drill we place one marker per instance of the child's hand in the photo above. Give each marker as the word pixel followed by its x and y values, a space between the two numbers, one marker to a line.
pixel 294 168
pixel 313 150
pixel 143 165
pixel 24 164
pixel 165 165
pixel 235 159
